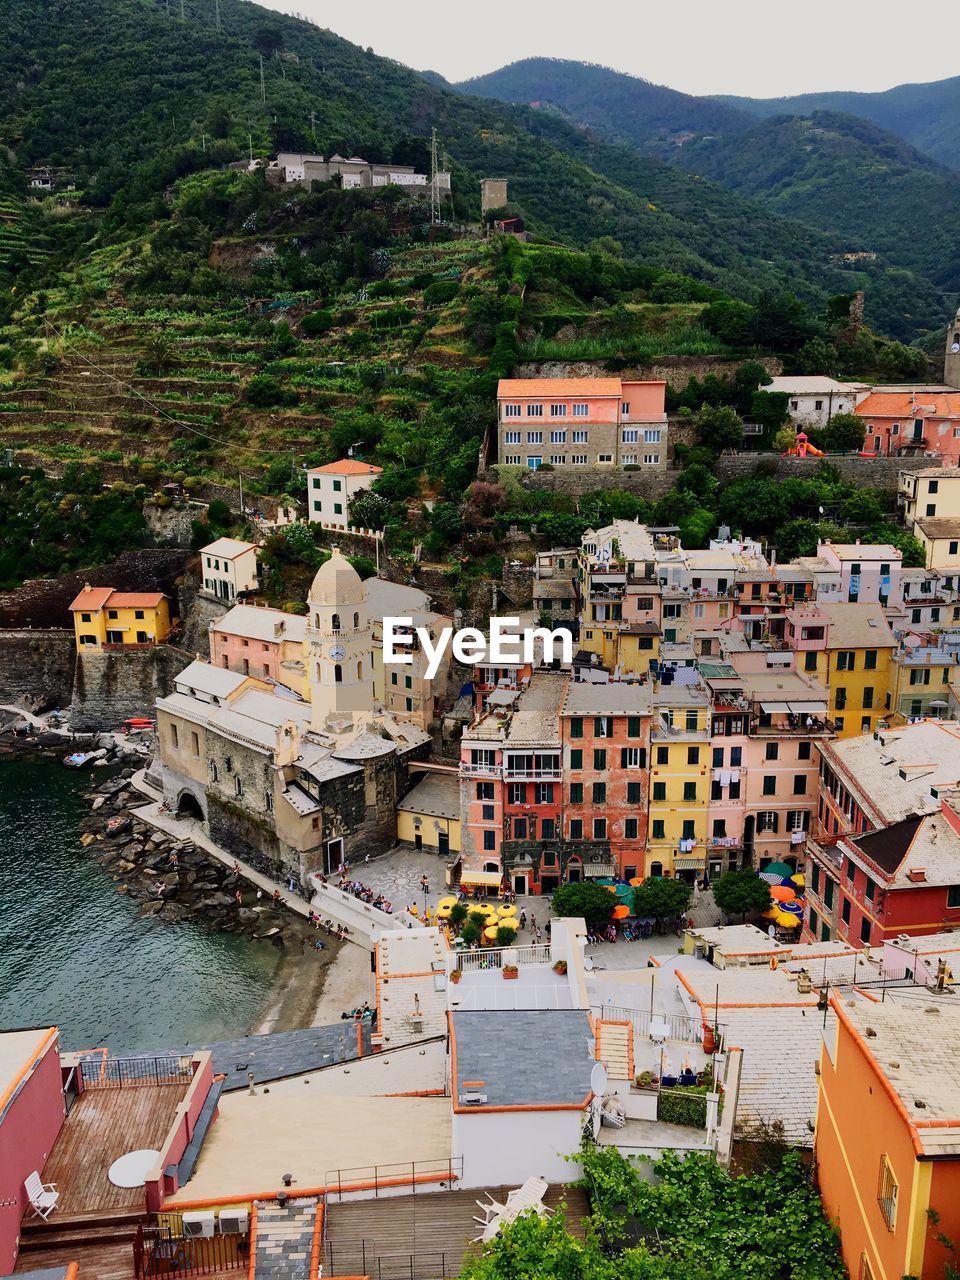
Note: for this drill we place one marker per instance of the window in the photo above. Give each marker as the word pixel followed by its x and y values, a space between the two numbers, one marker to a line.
pixel 174 737
pixel 869 660
pixel 887 1193
pixel 651 459
pixel 576 758
pixel 693 755
pixel 601 726
pixel 840 699
pixel 953 548
pixel 767 821
pixel 548 829
pixel 931 509
pixel 689 791
pixel 717 760
pixel 599 793
pixel 773 750
pixel 659 791
pixel 770 785
pixel 516 793
pixel 534 464
pixel 600 760
pixel 846 660
pixel 543 793
pixel 688 830
pixel 651 435
pixel 485 791
pixel 338 508
pixel 576 793
pixel 719 828
pixel 513 460
pixel 337 486
pixel 828 887
pixel 576 829
pixel 489 840
pixel 534 437
pixel 845 911
pixel 195 743
pixel 633 757
pixel 798 820
pixel 511 437
pixel 604 457
pixel 658 829
pixel 691 722
pixel 736 757
pixel 799 784
pixel 663 755
pixel 630 829
pixel 576 727
pixel 534 410
pixel 634 793
pixel 511 411
pixel 581 410
pixel 868 698
pixel 630 436
pixel 238 785
pixel 813 921
pixel 953 896
pixel 803 750
pixel 579 459
pixel 870 892
pixel 810 661
pixel 633 727
pixel 580 437
pixel 486 813
pixel 558 437
pixel 599 828
pixel 558 411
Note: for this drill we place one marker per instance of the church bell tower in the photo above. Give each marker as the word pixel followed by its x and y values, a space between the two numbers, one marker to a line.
pixel 951 363
pixel 338 649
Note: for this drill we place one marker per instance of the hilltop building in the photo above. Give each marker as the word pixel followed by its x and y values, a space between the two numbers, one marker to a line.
pixel 230 569
pixel 581 422
pixel 330 490
pixel 813 401
pixel 296 168
pixel 912 420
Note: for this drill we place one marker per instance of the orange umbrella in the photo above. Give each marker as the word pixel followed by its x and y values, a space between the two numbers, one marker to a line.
pixel 635 882
pixel 610 888
pixel 780 893
pixel 621 912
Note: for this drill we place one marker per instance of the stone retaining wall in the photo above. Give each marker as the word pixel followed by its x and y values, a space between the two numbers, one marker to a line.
pixel 112 685
pixel 867 473
pixel 36 668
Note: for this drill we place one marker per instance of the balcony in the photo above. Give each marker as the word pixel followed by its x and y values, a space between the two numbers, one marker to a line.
pixel 481 770
pixel 534 775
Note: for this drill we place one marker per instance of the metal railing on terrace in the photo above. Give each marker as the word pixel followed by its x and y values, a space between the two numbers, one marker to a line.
pixel 493 957
pixel 429 1175
pixel 97 1071
pixel 680 1027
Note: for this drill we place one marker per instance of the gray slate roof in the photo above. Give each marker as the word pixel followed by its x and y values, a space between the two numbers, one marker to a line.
pixel 283 1053
pixel 525 1057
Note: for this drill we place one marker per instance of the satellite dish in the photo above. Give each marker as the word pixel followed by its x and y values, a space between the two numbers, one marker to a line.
pixel 598 1080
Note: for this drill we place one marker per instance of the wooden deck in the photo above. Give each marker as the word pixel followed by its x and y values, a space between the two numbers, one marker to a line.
pixel 106 1261
pixel 102 1125
pixel 418 1237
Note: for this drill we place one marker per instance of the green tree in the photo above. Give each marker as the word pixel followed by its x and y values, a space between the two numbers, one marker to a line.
pixel 739 892
pixel 844 431
pixel 817 357
pixel 661 898
pixel 784 439
pixel 369 510
pixel 719 427
pixel 591 901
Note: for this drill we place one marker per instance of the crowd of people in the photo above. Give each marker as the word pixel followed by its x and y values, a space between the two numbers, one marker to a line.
pixel 365 894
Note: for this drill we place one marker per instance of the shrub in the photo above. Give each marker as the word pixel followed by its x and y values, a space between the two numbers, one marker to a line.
pixel 442 291
pixel 315 323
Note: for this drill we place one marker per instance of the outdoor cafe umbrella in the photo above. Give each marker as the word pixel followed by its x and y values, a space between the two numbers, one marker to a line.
pixel 447 902
pixel 778 869
pixel 780 893
pixel 624 891
pixel 635 882
pixel 621 912
pixel 508 910
pixel 771 877
pixel 443 913
pixel 800 880
pixel 791 908
pixel 786 921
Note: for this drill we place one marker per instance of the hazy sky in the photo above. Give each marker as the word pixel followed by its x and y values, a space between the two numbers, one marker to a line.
pixel 760 48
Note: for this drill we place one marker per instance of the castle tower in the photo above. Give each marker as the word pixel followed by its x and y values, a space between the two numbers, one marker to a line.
pixel 338 648
pixel 951 363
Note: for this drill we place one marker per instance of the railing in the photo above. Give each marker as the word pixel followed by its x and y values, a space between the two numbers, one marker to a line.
pixel 492 957
pixel 680 1027
pixel 164 1250
pixel 534 775
pixel 482 770
pixel 124 1073
pixel 433 1175
pixel 362 1259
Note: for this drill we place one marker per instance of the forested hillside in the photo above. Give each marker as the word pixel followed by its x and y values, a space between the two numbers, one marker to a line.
pixel 926 115
pixel 130 97
pixel 649 116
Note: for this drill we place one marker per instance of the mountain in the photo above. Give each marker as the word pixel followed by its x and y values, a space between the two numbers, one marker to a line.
pixel 850 176
pixel 649 116
pixel 925 115
pixel 129 97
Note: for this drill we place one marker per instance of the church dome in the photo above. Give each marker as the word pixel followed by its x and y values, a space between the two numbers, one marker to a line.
pixel 337 583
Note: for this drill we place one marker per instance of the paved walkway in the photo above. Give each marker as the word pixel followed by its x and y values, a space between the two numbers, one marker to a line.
pixel 285 1240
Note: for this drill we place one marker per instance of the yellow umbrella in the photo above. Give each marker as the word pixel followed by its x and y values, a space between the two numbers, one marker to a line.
pixel 771 913
pixel 490 933
pixel 799 880
pixel 443 913
pixel 788 921
pixel 447 902
pixel 509 910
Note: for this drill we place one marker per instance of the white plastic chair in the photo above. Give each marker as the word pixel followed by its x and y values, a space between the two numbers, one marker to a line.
pixel 43 1196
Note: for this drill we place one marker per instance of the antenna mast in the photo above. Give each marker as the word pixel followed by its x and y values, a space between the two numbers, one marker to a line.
pixel 434 180
pixel 263 91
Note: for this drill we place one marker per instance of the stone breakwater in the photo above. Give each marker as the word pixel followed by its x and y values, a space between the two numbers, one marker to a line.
pixel 175 879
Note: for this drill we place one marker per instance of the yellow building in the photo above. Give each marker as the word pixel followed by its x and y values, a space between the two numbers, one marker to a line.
pixel 921 682
pixel 679 782
pixel 103 618
pixel 428 817
pixel 940 538
pixel 858 650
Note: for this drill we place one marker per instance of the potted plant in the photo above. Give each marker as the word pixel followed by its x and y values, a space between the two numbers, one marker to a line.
pixel 560 967
pixel 711 1037
pixel 456 975
pixel 646 1080
pixel 510 971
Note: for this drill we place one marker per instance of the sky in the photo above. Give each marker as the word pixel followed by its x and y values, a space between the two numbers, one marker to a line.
pixel 755 48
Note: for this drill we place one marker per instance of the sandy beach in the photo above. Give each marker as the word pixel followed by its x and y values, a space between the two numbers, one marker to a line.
pixel 312 988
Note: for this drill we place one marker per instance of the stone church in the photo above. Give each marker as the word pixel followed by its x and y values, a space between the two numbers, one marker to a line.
pixel 288 785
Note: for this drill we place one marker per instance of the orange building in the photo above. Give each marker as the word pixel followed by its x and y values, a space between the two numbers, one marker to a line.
pixel 888 1135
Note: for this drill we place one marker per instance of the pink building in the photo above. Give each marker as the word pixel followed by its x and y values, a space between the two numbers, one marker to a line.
pixel 581 422
pixel 32 1112
pixel 869 572
pixel 266 643
pixel 907 422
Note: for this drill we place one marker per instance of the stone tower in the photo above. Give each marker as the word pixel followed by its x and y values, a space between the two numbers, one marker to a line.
pixel 951 363
pixel 338 649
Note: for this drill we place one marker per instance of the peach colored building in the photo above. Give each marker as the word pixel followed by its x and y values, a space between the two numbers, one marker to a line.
pixel 581 422
pixel 910 422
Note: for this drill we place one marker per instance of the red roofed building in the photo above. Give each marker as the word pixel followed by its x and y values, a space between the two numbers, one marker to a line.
pixel 912 421
pixel 581 422
pixel 331 489
pixel 104 618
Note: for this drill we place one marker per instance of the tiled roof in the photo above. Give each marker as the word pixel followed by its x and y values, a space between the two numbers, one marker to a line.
pixel 524 1057
pixel 891 775
pixel 228 548
pixel 899 404
pixel 888 848
pixel 248 621
pixel 939 527
pixel 858 626
pixel 91 599
pixel 561 387
pixel 135 599
pixel 346 467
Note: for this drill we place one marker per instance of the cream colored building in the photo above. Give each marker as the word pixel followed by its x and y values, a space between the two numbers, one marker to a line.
pixel 229 569
pixel 933 493
pixel 404 689
pixel 940 538
pixel 331 489
pixel 428 817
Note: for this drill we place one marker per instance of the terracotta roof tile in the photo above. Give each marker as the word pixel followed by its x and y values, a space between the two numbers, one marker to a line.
pixel 346 467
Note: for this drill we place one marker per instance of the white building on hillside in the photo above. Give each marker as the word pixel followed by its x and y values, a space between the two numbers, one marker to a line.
pixel 330 490
pixel 229 568
pixel 814 401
